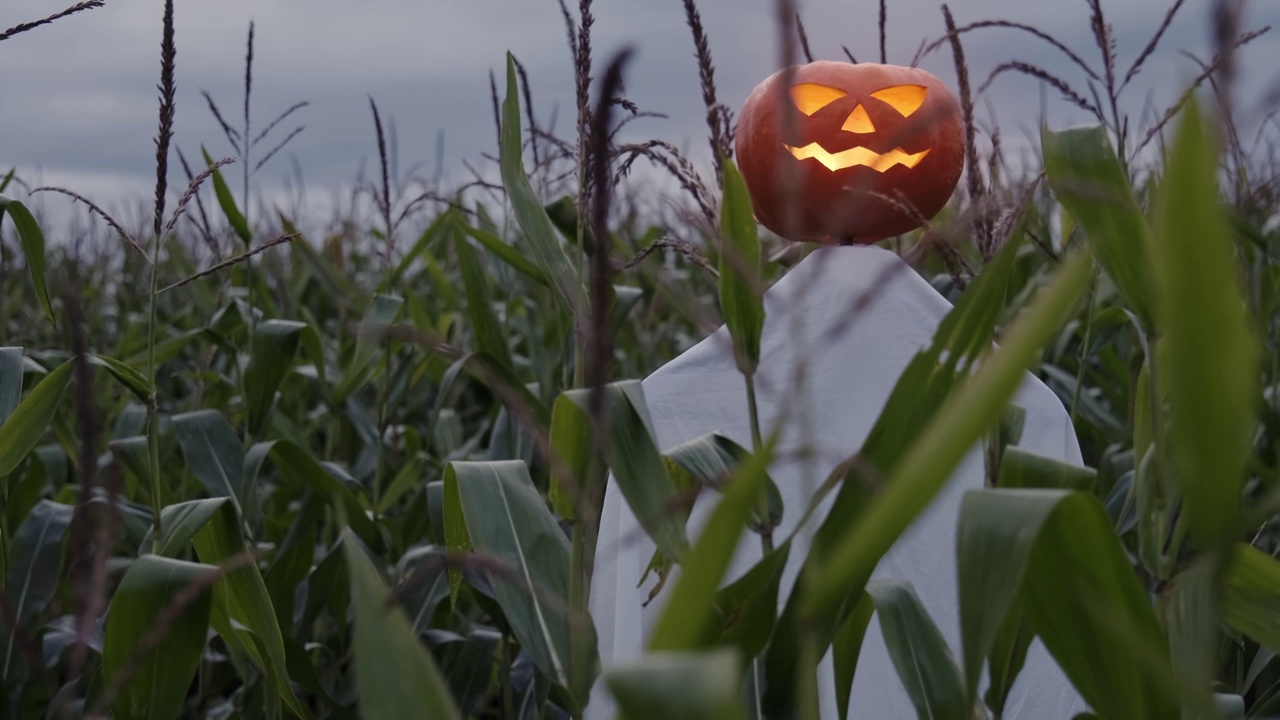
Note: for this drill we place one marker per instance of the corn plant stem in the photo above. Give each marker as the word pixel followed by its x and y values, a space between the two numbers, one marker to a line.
pixel 581 549
pixel 807 676
pixel 153 408
pixel 998 714
pixel 1163 570
pixel 579 641
pixel 248 279
pixel 504 673
pixel 1131 497
pixel 757 442
pixel 331 437
pixel 579 377
pixel 244 168
pixel 580 239
pixel 4 531
pixel 248 434
pixel 384 389
pixel 1084 345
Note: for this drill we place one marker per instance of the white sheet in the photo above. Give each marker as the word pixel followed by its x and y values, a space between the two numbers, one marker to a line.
pixel 825 373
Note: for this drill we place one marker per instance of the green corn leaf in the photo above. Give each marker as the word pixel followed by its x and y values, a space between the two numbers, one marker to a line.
pixel 507 520
pixel 846 648
pixel 396 676
pixel 132 379
pixel 180 522
pixel 160 673
pixel 275 344
pixel 32 241
pixel 242 611
pixel 27 423
pixel 300 470
pixel 382 311
pixel 686 622
pixel 919 653
pixel 641 474
pixel 11 373
pixel 33 570
pixel 1089 181
pixel 1053 555
pixel 1208 355
pixel 530 213
pixel 680 686
pixel 504 252
pixel 741 284
pixel 573 446
pixel 1251 596
pixel 489 337
pixel 213 451
pixel 228 203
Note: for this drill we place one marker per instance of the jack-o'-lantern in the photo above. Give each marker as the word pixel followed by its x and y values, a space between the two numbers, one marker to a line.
pixel 872 149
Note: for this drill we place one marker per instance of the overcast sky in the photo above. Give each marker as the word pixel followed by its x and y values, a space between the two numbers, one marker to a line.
pixel 78 99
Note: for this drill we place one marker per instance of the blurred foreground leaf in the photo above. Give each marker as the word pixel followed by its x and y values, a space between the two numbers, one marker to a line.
pixel 1053 555
pixel 680 686
pixel 1208 357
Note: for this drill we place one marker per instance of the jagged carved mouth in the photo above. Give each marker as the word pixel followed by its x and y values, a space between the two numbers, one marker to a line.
pixel 857 156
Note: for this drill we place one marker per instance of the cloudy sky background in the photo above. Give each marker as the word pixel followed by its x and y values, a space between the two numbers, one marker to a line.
pixel 78 99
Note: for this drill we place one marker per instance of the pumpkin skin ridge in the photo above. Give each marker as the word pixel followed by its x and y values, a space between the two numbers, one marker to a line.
pixel 838 205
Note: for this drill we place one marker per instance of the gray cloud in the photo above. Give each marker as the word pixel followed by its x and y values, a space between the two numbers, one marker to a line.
pixel 78 104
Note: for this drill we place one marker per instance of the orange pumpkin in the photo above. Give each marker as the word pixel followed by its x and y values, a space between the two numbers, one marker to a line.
pixel 867 139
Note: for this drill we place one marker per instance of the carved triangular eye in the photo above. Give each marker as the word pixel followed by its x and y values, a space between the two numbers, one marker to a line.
pixel 859 121
pixel 906 99
pixel 812 97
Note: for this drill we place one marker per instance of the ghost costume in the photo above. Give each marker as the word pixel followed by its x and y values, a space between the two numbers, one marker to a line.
pixel 825 373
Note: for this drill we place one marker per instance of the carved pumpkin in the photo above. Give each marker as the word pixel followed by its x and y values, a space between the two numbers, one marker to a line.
pixel 866 140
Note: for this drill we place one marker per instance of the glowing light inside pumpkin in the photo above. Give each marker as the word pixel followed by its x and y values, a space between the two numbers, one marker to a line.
pixel 906 99
pixel 857 156
pixel 859 121
pixel 811 97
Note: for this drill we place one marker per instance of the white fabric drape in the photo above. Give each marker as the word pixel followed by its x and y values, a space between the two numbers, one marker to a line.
pixel 826 370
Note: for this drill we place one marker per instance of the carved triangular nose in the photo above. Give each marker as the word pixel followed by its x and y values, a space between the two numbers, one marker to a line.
pixel 859 121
